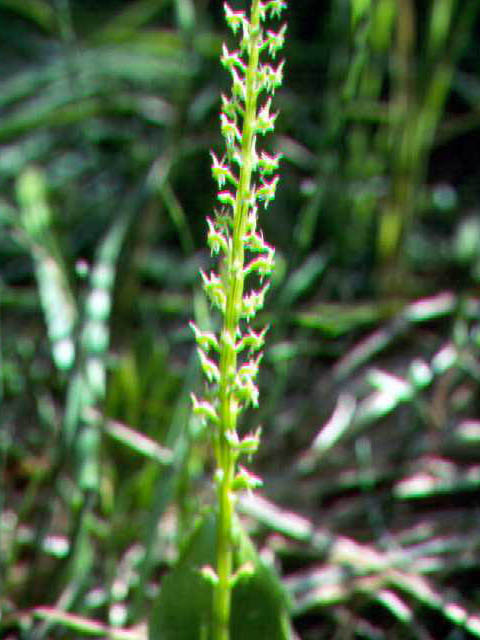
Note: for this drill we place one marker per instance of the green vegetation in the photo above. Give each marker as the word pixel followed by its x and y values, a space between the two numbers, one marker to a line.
pixel 123 512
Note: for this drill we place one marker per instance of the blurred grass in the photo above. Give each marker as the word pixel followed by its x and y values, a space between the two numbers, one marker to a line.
pixel 370 393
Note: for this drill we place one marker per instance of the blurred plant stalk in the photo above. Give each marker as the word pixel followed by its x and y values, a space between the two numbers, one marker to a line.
pixel 420 89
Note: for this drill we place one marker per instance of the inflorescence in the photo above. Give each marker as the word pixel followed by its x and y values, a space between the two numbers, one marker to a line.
pixel 246 182
pixel 230 359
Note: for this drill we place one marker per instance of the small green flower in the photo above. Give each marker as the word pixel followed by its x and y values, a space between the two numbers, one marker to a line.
pixel 267 191
pixel 276 7
pixel 231 60
pixel 275 41
pixel 216 239
pixel 204 409
pixel 268 164
pixel 205 339
pixel 265 120
pixel 234 19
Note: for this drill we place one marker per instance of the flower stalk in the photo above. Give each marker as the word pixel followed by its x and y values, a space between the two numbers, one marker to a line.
pixel 230 360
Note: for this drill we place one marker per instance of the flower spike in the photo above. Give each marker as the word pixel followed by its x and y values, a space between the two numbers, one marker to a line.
pixel 230 359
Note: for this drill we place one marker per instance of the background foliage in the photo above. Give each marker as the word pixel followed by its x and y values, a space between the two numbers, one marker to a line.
pixel 370 389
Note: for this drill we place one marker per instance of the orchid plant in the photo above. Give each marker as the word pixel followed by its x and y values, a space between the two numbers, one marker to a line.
pixel 246 184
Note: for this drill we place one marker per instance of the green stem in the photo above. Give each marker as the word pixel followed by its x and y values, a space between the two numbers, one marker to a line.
pixel 228 407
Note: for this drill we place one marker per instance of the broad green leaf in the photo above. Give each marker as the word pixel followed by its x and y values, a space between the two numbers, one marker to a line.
pixel 184 608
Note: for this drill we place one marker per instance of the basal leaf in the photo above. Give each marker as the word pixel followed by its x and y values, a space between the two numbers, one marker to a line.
pixel 184 608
